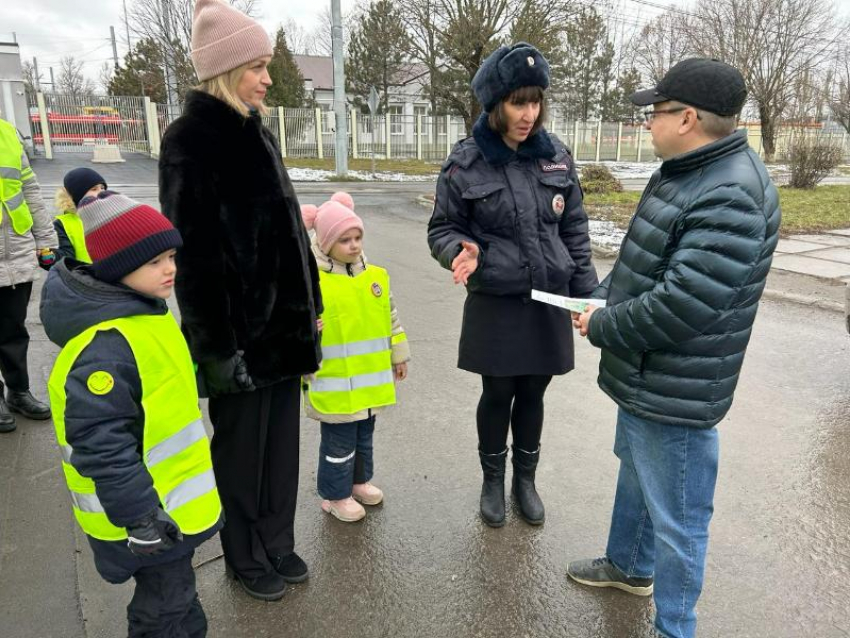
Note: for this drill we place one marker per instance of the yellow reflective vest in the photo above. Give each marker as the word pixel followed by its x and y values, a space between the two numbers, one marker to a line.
pixel 176 450
pixel 357 340
pixel 12 202
pixel 73 226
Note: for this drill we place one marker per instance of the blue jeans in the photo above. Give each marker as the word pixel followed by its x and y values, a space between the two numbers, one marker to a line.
pixel 664 503
pixel 345 457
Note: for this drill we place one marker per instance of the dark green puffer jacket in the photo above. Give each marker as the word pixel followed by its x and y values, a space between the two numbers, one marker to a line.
pixel 684 292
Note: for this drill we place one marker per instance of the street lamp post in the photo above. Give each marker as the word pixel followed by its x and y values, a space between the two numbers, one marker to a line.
pixel 341 128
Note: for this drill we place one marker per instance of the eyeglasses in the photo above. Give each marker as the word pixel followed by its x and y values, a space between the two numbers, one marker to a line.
pixel 648 116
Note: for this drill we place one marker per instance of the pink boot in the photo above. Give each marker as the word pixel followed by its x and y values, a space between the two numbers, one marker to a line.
pixel 367 494
pixel 347 510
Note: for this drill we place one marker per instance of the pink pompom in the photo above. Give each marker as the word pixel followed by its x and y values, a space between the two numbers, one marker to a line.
pixel 308 214
pixel 343 198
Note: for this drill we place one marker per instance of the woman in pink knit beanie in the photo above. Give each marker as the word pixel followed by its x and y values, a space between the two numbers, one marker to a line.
pixel 248 291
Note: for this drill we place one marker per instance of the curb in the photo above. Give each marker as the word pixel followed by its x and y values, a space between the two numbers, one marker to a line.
pixel 803 300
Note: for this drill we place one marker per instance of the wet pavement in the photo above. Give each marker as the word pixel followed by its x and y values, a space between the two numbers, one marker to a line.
pixel 423 564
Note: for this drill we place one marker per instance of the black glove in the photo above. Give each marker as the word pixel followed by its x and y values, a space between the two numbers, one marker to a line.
pixel 154 534
pixel 226 376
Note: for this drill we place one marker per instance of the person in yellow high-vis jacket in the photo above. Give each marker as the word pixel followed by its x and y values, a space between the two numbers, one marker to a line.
pixel 77 184
pixel 364 352
pixel 26 241
pixel 124 397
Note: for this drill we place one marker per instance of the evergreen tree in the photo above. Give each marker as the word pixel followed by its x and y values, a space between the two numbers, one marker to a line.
pixel 141 73
pixel 377 53
pixel 287 87
pixel 588 57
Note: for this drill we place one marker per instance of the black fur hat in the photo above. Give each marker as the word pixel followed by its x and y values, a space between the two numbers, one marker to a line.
pixel 508 69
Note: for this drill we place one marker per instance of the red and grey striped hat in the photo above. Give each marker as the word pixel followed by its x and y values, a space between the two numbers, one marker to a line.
pixel 123 235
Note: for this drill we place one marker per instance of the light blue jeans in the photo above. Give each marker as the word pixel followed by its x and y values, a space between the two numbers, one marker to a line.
pixel 664 503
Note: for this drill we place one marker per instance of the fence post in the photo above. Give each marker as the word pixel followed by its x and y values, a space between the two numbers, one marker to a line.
pixel 355 152
pixel 152 127
pixel 281 127
pixel 619 139
pixel 575 138
pixel 448 135
pixel 419 137
pixel 45 126
pixel 640 142
pixel 598 139
pixel 319 138
pixel 388 133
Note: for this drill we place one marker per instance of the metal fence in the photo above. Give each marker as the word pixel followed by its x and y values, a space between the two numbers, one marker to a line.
pixel 62 123
pixel 67 123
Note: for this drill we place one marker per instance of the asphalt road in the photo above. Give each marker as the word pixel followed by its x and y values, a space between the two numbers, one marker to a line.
pixel 423 564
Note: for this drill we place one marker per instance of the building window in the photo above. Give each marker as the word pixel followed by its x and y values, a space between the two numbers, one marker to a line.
pixel 396 124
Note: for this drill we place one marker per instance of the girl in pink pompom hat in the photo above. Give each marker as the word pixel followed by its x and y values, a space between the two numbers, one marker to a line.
pixel 364 353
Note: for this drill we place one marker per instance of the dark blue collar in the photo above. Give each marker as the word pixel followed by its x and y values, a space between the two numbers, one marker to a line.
pixel 497 153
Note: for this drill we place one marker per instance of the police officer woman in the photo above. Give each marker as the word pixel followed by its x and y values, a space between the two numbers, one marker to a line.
pixel 509 218
pixel 247 290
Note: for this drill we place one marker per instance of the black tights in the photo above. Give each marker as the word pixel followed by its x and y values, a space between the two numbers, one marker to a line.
pixel 515 402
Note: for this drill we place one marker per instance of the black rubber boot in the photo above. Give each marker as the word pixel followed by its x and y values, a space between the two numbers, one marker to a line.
pixel 493 488
pixel 522 486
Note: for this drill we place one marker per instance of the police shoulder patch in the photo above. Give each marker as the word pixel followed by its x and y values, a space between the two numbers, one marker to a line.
pixel 100 383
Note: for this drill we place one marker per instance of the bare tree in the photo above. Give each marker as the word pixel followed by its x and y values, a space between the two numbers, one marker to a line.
pixel 775 43
pixel 30 83
pixel 659 45
pixel 169 24
pixel 839 98
pixel 300 41
pixel 71 80
pixel 419 20
pixel 105 75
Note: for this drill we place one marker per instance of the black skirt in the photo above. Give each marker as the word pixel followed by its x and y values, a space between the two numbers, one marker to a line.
pixel 513 336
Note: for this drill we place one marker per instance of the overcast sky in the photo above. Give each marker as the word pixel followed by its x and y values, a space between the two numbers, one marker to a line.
pixel 51 29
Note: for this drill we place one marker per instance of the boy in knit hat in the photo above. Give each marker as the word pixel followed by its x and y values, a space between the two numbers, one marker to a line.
pixel 125 407
pixel 76 185
pixel 364 352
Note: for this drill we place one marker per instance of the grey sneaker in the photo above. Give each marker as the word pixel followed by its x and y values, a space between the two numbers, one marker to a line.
pixel 599 572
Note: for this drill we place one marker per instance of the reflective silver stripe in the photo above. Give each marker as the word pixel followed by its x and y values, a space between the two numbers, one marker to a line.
pixel 10 173
pixel 66 453
pixel 176 443
pixel 87 503
pixel 190 489
pixel 343 384
pixel 370 346
pixel 15 201
pixel 339 459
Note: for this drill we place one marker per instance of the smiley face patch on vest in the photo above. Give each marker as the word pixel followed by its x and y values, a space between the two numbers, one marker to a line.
pixel 100 383
pixel 377 290
pixel 558 204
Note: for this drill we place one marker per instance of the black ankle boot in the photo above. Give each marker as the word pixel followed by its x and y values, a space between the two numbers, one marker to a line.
pixel 7 419
pixel 522 486
pixel 493 488
pixel 25 403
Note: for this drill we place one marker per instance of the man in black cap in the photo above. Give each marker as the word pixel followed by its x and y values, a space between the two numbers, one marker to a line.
pixel 681 301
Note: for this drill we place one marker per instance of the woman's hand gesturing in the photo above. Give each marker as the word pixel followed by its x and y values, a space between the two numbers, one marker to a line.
pixel 465 263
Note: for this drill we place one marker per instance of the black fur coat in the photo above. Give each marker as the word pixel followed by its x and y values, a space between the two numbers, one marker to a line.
pixel 246 277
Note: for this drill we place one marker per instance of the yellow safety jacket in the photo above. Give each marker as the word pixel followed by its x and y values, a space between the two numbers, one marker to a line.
pixel 12 176
pixel 176 450
pixel 357 340
pixel 73 226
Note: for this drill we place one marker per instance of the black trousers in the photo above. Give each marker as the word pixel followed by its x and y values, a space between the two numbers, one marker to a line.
pixel 14 338
pixel 165 603
pixel 515 403
pixel 255 457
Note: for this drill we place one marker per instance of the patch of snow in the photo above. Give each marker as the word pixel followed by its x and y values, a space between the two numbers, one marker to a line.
pixel 318 175
pixel 606 234
pixel 626 170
